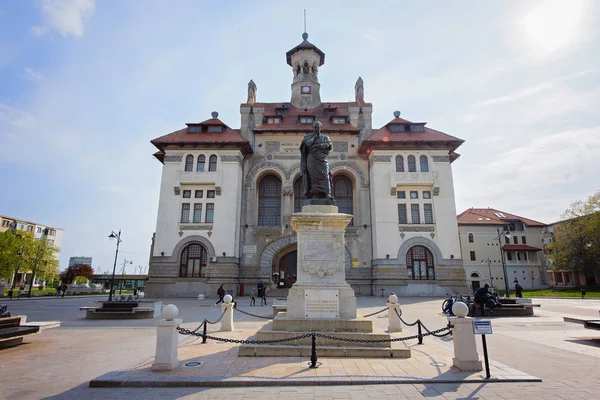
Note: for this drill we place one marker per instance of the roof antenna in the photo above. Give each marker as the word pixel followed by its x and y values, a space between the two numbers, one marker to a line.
pixel 305 35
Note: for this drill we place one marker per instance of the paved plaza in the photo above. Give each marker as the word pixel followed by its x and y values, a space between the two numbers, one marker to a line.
pixel 60 362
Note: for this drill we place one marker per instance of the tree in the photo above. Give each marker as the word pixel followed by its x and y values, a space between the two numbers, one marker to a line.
pixel 576 242
pixel 44 261
pixel 8 254
pixel 69 275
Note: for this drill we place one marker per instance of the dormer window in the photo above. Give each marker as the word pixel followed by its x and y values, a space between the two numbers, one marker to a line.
pixel 215 128
pixel 330 113
pixel 397 128
pixel 417 128
pixel 339 120
pixel 280 111
pixel 195 129
pixel 306 120
pixel 273 120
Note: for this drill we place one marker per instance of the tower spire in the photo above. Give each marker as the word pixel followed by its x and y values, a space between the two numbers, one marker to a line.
pixel 305 34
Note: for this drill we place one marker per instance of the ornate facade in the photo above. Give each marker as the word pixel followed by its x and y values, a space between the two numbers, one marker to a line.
pixel 227 196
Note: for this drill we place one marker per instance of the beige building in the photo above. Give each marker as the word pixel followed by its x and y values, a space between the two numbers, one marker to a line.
pixel 227 195
pixel 492 241
pixel 53 236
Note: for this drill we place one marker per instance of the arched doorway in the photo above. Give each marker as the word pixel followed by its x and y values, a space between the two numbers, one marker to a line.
pixel 192 262
pixel 419 263
pixel 285 267
pixel 475 281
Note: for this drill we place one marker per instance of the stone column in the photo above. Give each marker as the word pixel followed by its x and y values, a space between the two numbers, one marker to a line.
pixel 167 339
pixel 394 323
pixel 465 348
pixel 227 321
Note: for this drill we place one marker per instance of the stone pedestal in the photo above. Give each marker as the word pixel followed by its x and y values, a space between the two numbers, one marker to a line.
pixel 394 324
pixel 321 291
pixel 227 321
pixel 465 348
pixel 167 338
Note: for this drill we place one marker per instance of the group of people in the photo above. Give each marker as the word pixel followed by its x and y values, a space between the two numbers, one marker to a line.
pixel 260 287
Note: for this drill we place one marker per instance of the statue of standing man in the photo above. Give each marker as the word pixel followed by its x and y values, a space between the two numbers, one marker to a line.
pixel 314 168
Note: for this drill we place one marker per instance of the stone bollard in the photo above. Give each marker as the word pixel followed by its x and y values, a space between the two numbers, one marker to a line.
pixel 465 349
pixel 227 307
pixel 167 339
pixel 394 323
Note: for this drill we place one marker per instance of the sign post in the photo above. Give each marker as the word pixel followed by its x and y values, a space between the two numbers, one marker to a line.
pixel 482 328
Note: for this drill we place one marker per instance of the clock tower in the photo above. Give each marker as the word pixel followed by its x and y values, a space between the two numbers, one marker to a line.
pixel 305 60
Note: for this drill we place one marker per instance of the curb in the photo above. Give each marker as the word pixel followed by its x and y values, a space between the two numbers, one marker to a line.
pixel 110 381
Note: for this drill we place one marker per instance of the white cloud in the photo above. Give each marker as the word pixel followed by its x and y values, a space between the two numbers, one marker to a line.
pixel 32 75
pixel 68 17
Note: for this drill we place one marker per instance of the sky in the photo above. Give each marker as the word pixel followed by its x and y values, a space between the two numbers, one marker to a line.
pixel 85 85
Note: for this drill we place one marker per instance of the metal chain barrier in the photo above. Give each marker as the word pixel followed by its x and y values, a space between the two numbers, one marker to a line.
pixel 253 315
pixel 217 321
pixel 376 312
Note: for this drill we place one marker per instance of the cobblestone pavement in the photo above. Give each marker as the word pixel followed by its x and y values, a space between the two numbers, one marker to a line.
pixel 59 362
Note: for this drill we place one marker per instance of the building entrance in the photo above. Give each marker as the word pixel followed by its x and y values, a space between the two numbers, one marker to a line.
pixel 287 270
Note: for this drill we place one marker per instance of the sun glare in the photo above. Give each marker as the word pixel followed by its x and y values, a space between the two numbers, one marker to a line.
pixel 553 24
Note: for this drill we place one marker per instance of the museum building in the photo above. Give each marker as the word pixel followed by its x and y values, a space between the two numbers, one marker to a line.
pixel 227 195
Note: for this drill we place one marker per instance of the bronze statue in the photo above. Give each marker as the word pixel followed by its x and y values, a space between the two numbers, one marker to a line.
pixel 314 168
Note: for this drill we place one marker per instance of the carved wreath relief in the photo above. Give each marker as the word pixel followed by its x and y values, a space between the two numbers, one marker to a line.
pixel 321 258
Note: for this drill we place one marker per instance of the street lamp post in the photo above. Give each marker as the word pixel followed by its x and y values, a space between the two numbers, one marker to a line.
pixel 505 232
pixel 117 236
pixel 123 275
pixel 489 263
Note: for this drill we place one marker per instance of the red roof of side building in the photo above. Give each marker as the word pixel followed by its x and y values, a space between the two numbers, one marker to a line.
pixel 489 216
pixel 519 247
pixel 227 137
pixel 384 138
pixel 324 113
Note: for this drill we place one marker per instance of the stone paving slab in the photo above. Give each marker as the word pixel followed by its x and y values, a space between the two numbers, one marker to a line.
pixel 220 366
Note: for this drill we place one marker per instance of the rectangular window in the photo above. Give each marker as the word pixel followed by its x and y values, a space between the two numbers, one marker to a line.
pixel 6 223
pixel 417 128
pixel 39 230
pixel 525 256
pixel 428 211
pixel 397 128
pixel 281 111
pixel 50 242
pixel 518 255
pixel 197 213
pixel 52 232
pixel 524 239
pixel 426 195
pixel 210 194
pixel 473 258
pixel 187 194
pixel 339 120
pixel 414 195
pixel 215 128
pixel 415 214
pixel 509 255
pixel 506 239
pixel 402 214
pixel 185 212
pixel 515 239
pixel 210 212
pixel 273 120
pixel 306 120
pixel 199 194
pixel 401 194
pixel 194 129
pixel 30 228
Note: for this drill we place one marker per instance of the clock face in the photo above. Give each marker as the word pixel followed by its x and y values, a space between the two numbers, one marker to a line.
pixel 305 89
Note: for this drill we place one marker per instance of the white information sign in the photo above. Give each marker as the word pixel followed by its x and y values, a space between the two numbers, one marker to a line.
pixel 249 249
pixel 321 303
pixel 482 327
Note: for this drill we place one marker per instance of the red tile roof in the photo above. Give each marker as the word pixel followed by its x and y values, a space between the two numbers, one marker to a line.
pixel 385 138
pixel 487 216
pixel 227 137
pixel 290 121
pixel 519 247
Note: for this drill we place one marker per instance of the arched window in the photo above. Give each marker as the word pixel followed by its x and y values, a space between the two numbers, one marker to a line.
pixel 412 164
pixel 424 164
pixel 419 262
pixel 189 163
pixel 399 164
pixel 471 238
pixel 212 163
pixel 269 201
pixel 342 192
pixel 193 261
pixel 201 162
pixel 298 195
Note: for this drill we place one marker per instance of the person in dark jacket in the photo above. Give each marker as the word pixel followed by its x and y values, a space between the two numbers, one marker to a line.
pixel 518 289
pixel 221 294
pixel 481 296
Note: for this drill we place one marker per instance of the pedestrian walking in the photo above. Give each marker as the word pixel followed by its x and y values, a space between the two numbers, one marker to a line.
pixel 583 293
pixel 264 297
pixel 58 291
pixel 518 289
pixel 221 294
pixel 64 290
pixel 252 299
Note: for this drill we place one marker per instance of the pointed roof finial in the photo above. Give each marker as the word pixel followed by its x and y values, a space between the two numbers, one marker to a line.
pixel 305 35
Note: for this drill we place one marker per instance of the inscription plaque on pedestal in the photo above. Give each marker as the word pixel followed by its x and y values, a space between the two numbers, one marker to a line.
pixel 321 303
